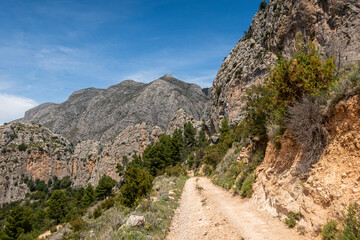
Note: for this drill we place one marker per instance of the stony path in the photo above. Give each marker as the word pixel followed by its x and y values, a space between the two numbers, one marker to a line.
pixel 208 212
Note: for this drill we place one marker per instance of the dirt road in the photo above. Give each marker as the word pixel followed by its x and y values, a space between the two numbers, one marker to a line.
pixel 208 212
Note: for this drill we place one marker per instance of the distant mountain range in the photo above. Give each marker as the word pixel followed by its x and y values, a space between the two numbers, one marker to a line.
pixel 101 114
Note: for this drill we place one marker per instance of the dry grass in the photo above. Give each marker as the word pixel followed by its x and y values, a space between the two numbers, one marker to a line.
pixel 306 123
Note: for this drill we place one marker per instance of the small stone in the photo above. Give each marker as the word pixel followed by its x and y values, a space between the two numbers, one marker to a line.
pixel 135 220
pixel 355 190
pixel 204 233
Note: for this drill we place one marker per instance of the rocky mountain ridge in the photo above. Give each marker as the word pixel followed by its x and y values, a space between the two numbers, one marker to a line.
pixel 34 152
pixel 333 25
pixel 101 114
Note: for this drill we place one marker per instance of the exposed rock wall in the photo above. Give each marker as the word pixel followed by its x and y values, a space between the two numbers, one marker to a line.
pixel 332 24
pixel 333 182
pixel 29 151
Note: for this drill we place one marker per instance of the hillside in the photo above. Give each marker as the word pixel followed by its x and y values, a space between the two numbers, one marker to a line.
pixel 333 25
pixel 101 114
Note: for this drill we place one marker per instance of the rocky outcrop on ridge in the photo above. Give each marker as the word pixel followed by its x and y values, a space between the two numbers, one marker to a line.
pixel 101 114
pixel 333 25
pixel 179 119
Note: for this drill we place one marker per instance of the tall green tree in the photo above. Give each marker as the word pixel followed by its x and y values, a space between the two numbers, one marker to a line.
pixel 57 205
pixel 18 222
pixel 89 196
pixel 166 152
pixel 224 129
pixel 189 134
pixel 104 188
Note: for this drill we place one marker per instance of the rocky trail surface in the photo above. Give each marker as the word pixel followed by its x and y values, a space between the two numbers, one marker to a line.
pixel 208 212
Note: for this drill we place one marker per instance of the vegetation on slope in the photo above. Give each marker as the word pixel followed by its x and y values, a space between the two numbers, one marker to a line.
pixel 77 208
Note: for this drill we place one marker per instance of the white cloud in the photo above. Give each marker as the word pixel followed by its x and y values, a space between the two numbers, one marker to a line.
pixel 13 107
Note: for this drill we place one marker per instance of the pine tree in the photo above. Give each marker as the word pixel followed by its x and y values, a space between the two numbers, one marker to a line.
pixel 104 188
pixel 19 221
pixel 89 196
pixel 189 134
pixel 57 205
pixel 225 129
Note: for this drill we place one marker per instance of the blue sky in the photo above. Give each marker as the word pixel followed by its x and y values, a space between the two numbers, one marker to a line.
pixel 48 49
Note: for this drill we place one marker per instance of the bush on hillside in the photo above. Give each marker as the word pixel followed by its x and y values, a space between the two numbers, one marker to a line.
pixel 176 171
pixel 246 188
pixel 263 5
pixel 330 231
pixel 352 222
pixel 347 84
pixel 306 123
pixel 304 74
pixel 137 184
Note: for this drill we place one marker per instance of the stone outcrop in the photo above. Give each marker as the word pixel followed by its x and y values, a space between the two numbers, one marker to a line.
pixel 333 25
pixel 179 119
pixel 101 114
pixel 333 181
pixel 30 152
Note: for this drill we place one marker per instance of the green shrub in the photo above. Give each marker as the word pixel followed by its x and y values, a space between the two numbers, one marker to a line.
pixel 77 223
pixel 330 231
pixel 176 170
pixel 263 5
pixel 246 188
pixel 352 223
pixel 108 203
pixel 290 221
pixel 97 212
pixel 304 74
pixel 22 147
pixel 347 84
pixel 137 184
pixel 292 218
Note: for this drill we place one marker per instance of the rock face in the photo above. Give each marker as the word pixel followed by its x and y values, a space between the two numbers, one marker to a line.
pixel 333 25
pixel 333 182
pixel 33 152
pixel 101 114
pixel 179 119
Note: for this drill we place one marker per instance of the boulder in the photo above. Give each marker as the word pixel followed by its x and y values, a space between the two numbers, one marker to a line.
pixel 135 220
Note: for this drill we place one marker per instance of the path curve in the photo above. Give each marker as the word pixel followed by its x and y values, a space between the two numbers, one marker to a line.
pixel 207 211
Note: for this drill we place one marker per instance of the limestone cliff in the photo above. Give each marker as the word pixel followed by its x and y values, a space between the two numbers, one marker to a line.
pixel 101 114
pixel 333 25
pixel 29 151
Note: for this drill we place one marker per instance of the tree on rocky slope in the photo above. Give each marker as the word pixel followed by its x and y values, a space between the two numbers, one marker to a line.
pixel 57 205
pixel 19 221
pixel 104 188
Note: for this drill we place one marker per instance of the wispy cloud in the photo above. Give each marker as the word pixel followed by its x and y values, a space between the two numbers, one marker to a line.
pixel 13 107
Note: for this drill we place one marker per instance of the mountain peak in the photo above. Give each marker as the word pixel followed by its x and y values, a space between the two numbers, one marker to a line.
pixel 167 76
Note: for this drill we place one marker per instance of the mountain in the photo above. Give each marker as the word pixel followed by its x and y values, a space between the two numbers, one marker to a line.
pixel 101 114
pixel 332 25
